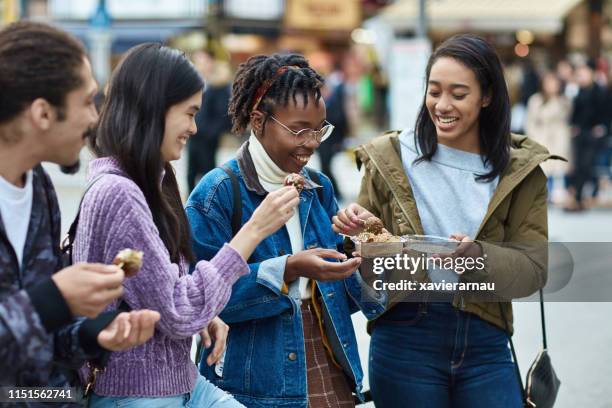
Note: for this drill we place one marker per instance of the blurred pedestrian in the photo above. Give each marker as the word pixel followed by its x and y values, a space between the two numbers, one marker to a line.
pixel 548 113
pixel 588 121
pixel 46 111
pixel 530 83
pixel 335 101
pixel 566 74
pixel 212 120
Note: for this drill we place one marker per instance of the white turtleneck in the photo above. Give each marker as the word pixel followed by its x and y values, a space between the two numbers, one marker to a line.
pixel 271 178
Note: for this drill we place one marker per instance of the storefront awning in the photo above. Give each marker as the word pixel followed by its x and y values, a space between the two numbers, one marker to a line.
pixel 543 16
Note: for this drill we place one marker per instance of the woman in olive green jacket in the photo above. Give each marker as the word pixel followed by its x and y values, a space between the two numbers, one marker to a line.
pixel 462 175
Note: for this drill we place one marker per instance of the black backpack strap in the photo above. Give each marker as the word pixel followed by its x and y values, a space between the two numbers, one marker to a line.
pixel 71 234
pixel 314 176
pixel 237 198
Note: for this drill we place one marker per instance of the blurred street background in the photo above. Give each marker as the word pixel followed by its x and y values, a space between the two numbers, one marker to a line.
pixel 557 56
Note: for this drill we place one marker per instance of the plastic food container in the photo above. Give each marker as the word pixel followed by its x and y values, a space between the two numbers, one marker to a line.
pixel 430 244
pixel 377 249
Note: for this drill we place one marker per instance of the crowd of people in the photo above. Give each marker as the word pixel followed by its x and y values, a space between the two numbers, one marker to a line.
pixel 260 270
pixel 568 111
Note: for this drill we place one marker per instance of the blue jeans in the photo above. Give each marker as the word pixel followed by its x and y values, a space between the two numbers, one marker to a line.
pixel 431 355
pixel 204 395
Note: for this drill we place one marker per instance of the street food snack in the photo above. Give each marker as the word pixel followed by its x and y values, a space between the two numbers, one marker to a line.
pixel 369 237
pixel 374 232
pixel 373 225
pixel 296 181
pixel 129 260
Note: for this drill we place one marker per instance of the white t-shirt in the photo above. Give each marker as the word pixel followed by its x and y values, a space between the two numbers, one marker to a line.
pixel 16 208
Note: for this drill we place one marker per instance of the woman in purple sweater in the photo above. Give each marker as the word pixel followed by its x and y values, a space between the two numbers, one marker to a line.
pixel 134 202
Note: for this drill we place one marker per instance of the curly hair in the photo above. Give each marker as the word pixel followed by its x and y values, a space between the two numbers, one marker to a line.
pixel 37 61
pixel 261 71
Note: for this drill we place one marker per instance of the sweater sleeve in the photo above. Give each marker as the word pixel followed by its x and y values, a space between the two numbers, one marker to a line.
pixel 116 217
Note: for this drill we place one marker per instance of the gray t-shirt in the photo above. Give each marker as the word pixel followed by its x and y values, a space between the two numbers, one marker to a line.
pixel 449 199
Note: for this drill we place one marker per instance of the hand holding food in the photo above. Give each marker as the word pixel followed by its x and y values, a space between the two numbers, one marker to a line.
pixel 273 212
pixel 89 288
pixel 374 231
pixel 350 221
pixel 130 261
pixel 296 181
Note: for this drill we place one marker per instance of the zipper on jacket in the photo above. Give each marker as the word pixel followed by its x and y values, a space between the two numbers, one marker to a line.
pixel 459 302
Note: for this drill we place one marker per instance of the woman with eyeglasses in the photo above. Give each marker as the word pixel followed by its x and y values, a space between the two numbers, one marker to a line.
pixel 291 340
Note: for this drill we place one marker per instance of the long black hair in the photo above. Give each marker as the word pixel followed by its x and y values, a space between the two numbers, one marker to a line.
pixel 148 81
pixel 263 82
pixel 494 119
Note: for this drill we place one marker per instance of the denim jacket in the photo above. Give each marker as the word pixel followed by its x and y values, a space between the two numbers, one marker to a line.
pixel 265 361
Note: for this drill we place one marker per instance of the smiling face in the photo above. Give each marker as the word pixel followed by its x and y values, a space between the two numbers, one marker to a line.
pixel 66 135
pixel 279 143
pixel 180 126
pixel 454 101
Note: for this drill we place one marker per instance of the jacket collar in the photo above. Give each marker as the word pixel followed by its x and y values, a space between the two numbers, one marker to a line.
pixel 249 174
pixel 525 156
pixel 384 154
pixel 41 216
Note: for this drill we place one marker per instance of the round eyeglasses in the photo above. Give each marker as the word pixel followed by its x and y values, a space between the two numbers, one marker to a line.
pixel 305 135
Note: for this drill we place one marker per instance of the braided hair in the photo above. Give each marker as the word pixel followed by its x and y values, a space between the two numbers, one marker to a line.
pixel 276 77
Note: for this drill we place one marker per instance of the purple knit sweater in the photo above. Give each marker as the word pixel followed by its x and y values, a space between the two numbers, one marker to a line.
pixel 114 215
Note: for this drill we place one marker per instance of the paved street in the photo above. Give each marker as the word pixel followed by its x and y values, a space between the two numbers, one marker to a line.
pixel 580 334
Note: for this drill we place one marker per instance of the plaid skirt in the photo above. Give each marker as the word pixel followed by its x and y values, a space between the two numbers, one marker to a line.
pixel 327 384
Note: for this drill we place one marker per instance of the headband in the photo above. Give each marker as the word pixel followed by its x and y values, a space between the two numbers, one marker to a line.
pixel 267 84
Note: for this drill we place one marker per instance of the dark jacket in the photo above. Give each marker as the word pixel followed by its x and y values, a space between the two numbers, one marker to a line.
pixel 213 120
pixel 589 108
pixel 38 336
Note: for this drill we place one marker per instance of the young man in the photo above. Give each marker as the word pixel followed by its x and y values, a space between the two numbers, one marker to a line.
pixel 46 111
